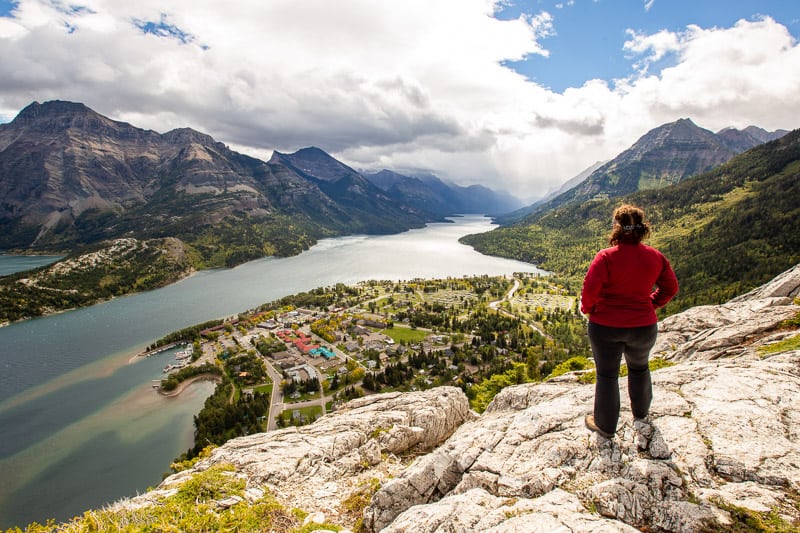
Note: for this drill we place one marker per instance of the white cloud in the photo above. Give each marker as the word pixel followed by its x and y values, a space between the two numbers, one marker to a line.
pixel 652 48
pixel 405 84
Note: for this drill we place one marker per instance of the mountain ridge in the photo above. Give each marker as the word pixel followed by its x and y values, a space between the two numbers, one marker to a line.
pixel 64 166
pixel 432 194
pixel 661 157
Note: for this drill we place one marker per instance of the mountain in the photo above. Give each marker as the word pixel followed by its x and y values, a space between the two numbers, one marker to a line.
pixel 363 207
pixel 431 194
pixel 510 218
pixel 662 157
pixel 725 231
pixel 741 140
pixel 70 176
pixel 718 452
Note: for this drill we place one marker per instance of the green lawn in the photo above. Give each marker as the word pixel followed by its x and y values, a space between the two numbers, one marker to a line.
pixel 310 413
pixel 264 389
pixel 408 335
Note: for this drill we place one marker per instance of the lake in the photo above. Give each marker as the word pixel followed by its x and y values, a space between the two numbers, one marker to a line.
pixel 17 263
pixel 81 424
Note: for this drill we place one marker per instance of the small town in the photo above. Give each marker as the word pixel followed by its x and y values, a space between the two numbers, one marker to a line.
pixel 292 361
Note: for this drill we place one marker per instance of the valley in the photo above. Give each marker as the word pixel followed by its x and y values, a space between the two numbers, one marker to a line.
pixel 289 231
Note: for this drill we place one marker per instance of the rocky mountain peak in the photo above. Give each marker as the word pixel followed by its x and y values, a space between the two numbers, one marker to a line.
pixel 60 117
pixel 722 441
pixel 36 111
pixel 185 136
pixel 316 163
pixel 682 134
pixel 661 157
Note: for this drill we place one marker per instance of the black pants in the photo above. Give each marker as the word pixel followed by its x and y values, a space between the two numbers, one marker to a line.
pixel 608 346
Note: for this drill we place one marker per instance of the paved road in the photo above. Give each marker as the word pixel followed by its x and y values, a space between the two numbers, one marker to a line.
pixel 496 305
pixel 275 401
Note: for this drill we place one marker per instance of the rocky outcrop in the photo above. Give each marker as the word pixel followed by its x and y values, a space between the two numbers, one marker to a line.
pixel 722 441
pixel 713 331
pixel 721 433
pixel 317 467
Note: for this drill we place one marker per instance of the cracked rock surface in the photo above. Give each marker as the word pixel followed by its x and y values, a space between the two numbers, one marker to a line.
pixel 723 431
pixel 718 431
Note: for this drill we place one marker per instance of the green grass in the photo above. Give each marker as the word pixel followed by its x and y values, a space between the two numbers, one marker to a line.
pixel 192 508
pixel 264 389
pixel 304 397
pixel 748 521
pixel 407 335
pixel 312 412
pixel 792 343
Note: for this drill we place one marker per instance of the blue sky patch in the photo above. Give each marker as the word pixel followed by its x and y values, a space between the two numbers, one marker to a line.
pixel 589 35
pixel 163 28
pixel 5 7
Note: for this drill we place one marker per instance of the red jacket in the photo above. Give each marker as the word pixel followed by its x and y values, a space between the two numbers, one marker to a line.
pixel 618 290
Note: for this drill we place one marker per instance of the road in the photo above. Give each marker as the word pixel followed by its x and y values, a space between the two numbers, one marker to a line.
pixel 510 294
pixel 507 297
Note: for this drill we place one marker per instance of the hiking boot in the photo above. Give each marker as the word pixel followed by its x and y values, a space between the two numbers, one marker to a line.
pixel 643 426
pixel 589 421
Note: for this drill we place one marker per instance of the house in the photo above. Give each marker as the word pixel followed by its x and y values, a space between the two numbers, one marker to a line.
pixel 372 323
pixel 351 346
pixel 358 330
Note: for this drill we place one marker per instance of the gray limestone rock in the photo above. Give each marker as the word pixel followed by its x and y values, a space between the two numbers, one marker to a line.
pixel 724 430
pixel 714 426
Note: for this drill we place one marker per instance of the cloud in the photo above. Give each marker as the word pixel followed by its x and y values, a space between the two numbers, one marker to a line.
pixel 652 48
pixel 404 84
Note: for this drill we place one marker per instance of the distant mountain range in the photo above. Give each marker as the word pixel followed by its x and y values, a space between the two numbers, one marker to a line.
pixel 662 157
pixel 431 194
pixel 70 176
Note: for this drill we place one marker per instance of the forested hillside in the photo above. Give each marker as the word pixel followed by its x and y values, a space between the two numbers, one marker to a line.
pixel 725 231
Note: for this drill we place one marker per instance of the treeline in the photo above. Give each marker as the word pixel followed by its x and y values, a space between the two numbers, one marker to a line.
pixel 221 420
pixel 189 334
pixel 235 240
pixel 321 297
pixel 304 386
pixel 227 414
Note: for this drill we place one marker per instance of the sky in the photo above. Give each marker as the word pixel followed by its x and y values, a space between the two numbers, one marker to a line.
pixel 517 95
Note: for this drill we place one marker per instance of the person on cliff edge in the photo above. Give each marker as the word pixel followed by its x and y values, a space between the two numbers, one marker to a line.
pixel 623 287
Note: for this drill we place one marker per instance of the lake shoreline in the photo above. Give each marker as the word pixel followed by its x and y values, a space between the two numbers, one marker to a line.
pixel 87 342
pixel 186 382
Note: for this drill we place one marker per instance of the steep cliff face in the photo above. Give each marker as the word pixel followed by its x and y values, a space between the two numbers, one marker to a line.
pixel 723 440
pixel 60 160
pixel 62 165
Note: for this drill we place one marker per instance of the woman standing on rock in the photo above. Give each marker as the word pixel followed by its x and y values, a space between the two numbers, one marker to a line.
pixel 624 286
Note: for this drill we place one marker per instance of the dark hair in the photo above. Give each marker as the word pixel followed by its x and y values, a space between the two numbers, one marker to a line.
pixel 629 225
